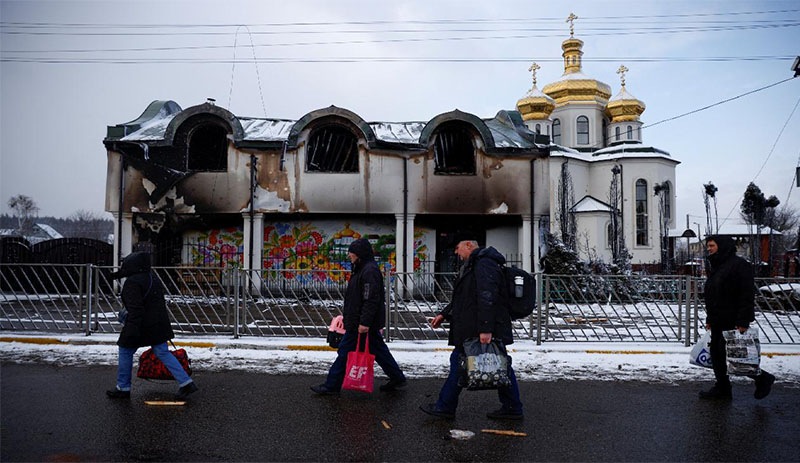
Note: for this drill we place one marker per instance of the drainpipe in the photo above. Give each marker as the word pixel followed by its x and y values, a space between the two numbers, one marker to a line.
pixel 534 228
pixel 119 203
pixel 252 209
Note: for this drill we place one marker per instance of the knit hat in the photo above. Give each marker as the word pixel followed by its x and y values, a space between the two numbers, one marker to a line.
pixel 362 249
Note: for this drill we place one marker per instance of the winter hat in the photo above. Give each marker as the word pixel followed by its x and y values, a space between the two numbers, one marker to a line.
pixel 136 262
pixel 362 249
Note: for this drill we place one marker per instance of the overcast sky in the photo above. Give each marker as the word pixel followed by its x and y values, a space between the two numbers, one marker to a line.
pixel 68 69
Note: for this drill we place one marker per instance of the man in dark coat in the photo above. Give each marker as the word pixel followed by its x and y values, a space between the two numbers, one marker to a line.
pixel 146 324
pixel 729 296
pixel 364 313
pixel 478 309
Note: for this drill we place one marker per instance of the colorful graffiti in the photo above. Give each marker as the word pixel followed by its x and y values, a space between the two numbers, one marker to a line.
pixel 217 248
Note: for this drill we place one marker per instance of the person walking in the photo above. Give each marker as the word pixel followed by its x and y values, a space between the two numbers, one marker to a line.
pixel 364 313
pixel 146 324
pixel 729 297
pixel 477 309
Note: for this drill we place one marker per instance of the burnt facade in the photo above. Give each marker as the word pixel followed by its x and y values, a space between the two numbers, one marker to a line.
pixel 186 183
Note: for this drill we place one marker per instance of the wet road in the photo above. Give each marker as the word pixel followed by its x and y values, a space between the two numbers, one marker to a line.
pixel 54 413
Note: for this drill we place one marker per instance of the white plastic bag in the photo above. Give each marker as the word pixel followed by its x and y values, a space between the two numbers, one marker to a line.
pixel 700 354
pixel 743 351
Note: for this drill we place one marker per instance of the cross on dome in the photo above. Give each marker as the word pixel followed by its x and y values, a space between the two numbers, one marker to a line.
pixel 621 71
pixel 534 67
pixel 571 20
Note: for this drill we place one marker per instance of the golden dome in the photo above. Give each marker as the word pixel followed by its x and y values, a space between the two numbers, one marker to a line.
pixel 574 85
pixel 535 105
pixel 624 107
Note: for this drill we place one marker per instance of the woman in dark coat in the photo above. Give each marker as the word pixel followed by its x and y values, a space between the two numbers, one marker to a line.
pixel 146 324
pixel 729 296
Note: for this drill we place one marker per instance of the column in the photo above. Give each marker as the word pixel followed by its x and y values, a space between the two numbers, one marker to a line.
pixel 252 227
pixel 404 255
pixel 525 246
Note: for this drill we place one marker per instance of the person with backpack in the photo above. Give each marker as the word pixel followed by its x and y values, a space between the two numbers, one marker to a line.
pixel 478 309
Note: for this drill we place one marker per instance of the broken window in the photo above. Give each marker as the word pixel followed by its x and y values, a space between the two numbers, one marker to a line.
pixel 208 148
pixel 332 148
pixel 454 153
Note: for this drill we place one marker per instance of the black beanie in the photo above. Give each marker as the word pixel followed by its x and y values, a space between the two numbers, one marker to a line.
pixel 362 249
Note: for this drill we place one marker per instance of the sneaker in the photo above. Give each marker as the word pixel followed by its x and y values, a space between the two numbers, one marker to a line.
pixel 504 414
pixel 393 385
pixel 117 394
pixel 184 391
pixel 717 393
pixel 764 383
pixel 432 409
pixel 324 390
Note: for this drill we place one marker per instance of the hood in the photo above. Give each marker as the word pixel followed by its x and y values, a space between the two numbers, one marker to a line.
pixel 491 253
pixel 133 263
pixel 362 249
pixel 726 248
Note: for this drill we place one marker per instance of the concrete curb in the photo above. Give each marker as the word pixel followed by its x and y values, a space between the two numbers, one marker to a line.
pixel 418 346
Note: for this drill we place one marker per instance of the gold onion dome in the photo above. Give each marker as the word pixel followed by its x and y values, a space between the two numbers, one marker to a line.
pixel 624 107
pixel 535 105
pixel 575 86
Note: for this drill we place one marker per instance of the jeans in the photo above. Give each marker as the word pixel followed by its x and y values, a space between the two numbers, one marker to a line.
pixel 448 396
pixel 377 347
pixel 125 366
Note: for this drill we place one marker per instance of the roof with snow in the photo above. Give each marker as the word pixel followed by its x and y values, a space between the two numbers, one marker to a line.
pixel 591 204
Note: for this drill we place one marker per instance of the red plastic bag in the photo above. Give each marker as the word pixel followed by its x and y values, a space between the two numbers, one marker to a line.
pixel 359 374
pixel 150 367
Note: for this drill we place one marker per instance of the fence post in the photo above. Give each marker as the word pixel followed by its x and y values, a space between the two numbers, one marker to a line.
pixel 236 302
pixel 388 296
pixel 88 295
pixel 689 301
pixel 542 292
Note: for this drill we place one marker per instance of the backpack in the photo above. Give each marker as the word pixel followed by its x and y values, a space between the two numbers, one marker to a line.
pixel 520 292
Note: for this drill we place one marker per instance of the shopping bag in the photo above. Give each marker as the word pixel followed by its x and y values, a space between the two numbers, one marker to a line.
pixel 483 366
pixel 700 354
pixel 150 367
pixel 743 351
pixel 359 373
pixel 336 331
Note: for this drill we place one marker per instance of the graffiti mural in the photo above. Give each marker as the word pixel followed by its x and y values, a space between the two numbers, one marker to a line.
pixel 215 248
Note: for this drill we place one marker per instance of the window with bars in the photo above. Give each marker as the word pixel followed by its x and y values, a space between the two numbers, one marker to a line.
pixel 332 148
pixel 454 152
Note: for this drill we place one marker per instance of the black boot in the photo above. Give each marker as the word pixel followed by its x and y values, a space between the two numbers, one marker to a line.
pixel 718 392
pixel 763 385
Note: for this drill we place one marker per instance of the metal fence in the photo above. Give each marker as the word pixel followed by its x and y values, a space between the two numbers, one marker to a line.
pixel 300 303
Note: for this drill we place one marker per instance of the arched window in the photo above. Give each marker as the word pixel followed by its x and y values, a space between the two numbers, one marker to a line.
pixel 616 133
pixel 538 129
pixel 557 131
pixel 332 148
pixel 641 213
pixel 609 236
pixel 207 148
pixel 667 201
pixel 454 153
pixel 582 128
pixel 630 133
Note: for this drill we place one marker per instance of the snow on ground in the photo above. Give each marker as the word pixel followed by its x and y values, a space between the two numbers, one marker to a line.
pixel 609 361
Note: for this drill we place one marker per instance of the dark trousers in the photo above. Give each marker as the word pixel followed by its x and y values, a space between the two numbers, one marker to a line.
pixel 377 347
pixel 448 396
pixel 719 359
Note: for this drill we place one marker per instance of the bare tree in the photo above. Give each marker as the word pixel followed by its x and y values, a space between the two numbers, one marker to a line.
pixel 709 194
pixel 564 214
pixel 662 191
pixel 86 224
pixel 25 209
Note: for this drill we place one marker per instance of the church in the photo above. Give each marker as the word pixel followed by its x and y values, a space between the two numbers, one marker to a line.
pixel 203 187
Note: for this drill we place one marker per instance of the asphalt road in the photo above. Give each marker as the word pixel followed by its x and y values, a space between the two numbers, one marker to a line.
pixel 51 413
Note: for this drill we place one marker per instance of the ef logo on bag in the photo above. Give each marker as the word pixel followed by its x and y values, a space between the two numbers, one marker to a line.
pixel 357 372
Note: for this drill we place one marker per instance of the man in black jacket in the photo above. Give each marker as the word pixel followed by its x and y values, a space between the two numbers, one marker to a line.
pixel 478 309
pixel 147 324
pixel 729 295
pixel 364 312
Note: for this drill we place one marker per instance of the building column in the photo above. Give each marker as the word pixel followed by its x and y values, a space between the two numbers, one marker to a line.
pixel 123 235
pixel 256 227
pixel 536 230
pixel 404 255
pixel 524 244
